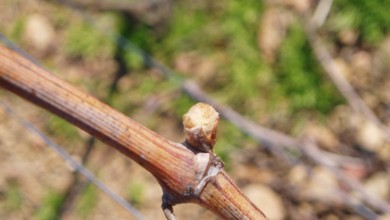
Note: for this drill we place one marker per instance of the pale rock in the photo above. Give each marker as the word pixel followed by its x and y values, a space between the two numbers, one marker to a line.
pixel 305 210
pixel 325 137
pixel 370 136
pixel 353 120
pixel 321 185
pixel 361 64
pixel 361 61
pixel 378 185
pixel 39 33
pixel 348 37
pixel 371 100
pixel 384 152
pixel 298 175
pixel 340 119
pixel 267 200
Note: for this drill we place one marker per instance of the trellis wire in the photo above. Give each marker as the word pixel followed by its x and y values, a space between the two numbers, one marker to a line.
pixel 59 150
pixel 171 75
pixel 149 60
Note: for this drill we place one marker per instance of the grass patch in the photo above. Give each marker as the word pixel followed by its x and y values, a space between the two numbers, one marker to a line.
pixel 17 29
pixel 229 138
pixel 87 202
pixel 299 77
pixel 13 198
pixel 136 193
pixel 84 41
pixel 60 128
pixel 369 18
pixel 50 206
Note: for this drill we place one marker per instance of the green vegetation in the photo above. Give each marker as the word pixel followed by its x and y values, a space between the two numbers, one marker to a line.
pixel 136 193
pixel 13 198
pixel 87 202
pixel 17 29
pixel 181 106
pixel 229 139
pixel 299 79
pixel 369 18
pixel 84 41
pixel 225 32
pixel 50 206
pixel 62 129
pixel 228 33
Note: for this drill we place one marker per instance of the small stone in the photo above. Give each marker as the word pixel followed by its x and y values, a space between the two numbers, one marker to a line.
pixel 321 185
pixel 361 62
pixel 39 33
pixel 266 200
pixel 384 152
pixel 378 185
pixel 370 136
pixel 324 136
pixel 348 37
pixel 297 175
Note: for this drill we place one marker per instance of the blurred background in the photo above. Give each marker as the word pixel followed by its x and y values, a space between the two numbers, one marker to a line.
pixel 285 65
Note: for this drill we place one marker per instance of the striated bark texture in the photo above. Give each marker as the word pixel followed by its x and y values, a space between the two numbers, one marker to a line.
pixel 185 174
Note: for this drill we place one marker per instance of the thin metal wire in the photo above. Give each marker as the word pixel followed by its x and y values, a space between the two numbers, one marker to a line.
pixel 73 163
pixel 172 76
pixel 127 45
pixel 59 150
pixel 150 61
pixel 15 48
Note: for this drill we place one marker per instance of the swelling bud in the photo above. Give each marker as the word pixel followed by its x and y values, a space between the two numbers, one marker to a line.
pixel 200 126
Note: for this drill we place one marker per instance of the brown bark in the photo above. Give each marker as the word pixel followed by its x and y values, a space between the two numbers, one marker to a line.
pixel 184 174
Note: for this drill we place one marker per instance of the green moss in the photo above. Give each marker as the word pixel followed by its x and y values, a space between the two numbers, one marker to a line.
pixel 84 41
pixel 17 29
pixel 136 193
pixel 244 66
pixel 182 104
pixel 369 18
pixel 229 139
pixel 227 29
pixel 87 201
pixel 50 206
pixel 134 60
pixel 62 129
pixel 299 77
pixel 13 197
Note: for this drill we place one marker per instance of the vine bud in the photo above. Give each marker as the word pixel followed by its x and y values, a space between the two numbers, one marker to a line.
pixel 200 126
